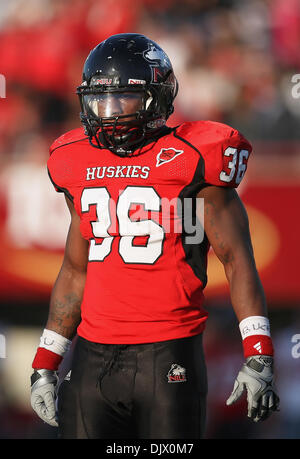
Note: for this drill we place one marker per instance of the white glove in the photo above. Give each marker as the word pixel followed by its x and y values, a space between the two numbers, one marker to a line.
pixel 43 395
pixel 256 376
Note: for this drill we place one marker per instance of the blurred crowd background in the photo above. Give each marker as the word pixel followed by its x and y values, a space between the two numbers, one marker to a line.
pixel 237 62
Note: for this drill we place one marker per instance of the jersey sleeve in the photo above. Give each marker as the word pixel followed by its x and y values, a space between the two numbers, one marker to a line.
pixel 51 168
pixel 226 159
pixel 60 164
pixel 56 187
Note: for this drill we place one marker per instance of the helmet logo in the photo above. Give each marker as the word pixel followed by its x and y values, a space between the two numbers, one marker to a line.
pixel 135 81
pixel 156 57
pixel 153 54
pixel 102 81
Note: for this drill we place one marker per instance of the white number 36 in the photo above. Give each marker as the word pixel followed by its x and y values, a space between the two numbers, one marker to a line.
pixel 237 163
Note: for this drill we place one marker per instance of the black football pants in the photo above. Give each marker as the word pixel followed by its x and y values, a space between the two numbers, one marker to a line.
pixel 141 391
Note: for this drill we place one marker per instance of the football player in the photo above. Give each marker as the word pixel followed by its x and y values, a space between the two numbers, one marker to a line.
pixel 134 270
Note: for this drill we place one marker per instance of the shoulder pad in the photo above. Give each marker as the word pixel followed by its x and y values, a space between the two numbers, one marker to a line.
pixel 225 150
pixel 210 131
pixel 69 137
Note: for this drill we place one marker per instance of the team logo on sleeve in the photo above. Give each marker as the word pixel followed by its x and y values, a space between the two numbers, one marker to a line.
pixel 176 374
pixel 166 155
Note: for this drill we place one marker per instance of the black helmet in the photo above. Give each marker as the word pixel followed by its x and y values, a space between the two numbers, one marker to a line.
pixel 126 65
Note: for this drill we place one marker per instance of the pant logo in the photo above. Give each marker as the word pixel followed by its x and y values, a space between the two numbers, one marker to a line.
pixel 176 374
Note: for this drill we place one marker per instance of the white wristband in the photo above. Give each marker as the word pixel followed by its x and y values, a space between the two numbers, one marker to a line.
pixel 54 342
pixel 254 325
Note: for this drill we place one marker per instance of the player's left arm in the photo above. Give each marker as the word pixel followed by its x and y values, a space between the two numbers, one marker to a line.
pixel 227 228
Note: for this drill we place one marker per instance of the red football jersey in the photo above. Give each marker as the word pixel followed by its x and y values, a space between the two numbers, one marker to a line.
pixel 147 269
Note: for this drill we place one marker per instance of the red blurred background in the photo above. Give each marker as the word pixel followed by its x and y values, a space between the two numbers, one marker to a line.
pixel 234 61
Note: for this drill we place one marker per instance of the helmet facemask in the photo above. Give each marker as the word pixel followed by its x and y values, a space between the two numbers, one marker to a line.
pixel 117 117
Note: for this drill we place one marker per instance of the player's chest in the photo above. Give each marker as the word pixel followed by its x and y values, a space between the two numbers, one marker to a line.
pixel 135 195
pixel 166 168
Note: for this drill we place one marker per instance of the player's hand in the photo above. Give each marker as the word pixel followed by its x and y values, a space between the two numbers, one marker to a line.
pixel 43 395
pixel 256 377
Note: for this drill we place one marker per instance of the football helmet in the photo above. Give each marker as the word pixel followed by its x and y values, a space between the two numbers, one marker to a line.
pixel 127 92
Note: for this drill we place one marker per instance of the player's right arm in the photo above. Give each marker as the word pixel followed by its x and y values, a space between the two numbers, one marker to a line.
pixel 66 297
pixel 63 320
